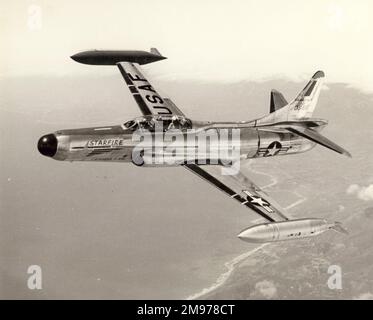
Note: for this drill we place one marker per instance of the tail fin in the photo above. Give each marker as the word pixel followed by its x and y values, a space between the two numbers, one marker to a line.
pixel 304 104
pixel 277 101
pixel 155 51
pixel 301 107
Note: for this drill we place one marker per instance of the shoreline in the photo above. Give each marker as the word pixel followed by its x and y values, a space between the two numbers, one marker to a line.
pixel 230 265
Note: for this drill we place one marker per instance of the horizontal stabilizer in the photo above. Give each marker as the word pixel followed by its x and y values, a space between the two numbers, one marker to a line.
pixel 318 138
pixel 277 101
pixel 338 227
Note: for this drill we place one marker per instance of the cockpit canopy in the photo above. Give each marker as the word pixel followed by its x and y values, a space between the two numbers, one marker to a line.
pixel 153 123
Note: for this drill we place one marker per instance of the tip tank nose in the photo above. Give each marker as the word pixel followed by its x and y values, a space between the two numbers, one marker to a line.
pixel 257 233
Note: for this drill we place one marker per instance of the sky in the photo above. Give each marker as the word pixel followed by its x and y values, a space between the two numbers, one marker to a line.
pixel 210 40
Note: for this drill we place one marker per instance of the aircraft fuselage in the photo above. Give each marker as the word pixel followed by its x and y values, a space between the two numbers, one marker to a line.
pixel 201 143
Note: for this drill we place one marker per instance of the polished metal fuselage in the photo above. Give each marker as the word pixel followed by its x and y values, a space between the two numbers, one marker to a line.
pixel 117 143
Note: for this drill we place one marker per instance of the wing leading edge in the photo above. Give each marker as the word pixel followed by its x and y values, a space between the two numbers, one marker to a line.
pixel 318 138
pixel 147 98
pixel 243 190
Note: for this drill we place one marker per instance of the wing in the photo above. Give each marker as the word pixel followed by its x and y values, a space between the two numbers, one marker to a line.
pixel 148 99
pixel 240 188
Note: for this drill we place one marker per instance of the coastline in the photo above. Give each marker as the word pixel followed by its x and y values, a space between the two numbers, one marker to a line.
pixel 230 265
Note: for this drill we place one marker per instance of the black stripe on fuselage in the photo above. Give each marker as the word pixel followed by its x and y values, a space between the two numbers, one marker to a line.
pixel 105 149
pixel 101 151
pixel 205 175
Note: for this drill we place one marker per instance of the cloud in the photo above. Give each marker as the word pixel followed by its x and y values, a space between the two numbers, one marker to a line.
pixel 364 296
pixel 266 288
pixel 363 193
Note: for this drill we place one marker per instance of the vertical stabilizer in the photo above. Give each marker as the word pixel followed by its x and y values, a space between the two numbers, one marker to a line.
pixel 301 108
pixel 277 101
pixel 304 104
pixel 155 51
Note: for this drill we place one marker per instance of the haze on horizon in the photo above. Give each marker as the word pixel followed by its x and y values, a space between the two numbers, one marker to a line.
pixel 209 40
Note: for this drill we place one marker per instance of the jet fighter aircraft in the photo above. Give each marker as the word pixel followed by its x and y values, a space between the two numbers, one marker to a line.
pixel 288 129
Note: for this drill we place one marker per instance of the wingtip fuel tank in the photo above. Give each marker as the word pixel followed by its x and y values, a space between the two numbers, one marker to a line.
pixel 112 57
pixel 287 230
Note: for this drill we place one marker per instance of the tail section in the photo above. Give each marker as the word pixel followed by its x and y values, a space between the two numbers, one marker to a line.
pixel 296 116
pixel 277 101
pixel 301 108
pixel 304 104
pixel 316 137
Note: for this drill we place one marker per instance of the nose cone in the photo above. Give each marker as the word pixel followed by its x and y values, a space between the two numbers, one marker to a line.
pixel 257 234
pixel 47 145
pixel 79 57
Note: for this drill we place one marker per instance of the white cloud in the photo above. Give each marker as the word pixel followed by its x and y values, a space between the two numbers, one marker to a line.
pixel 363 193
pixel 266 288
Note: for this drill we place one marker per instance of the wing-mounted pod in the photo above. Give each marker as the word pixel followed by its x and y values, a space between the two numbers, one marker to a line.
pixel 288 230
pixel 112 57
